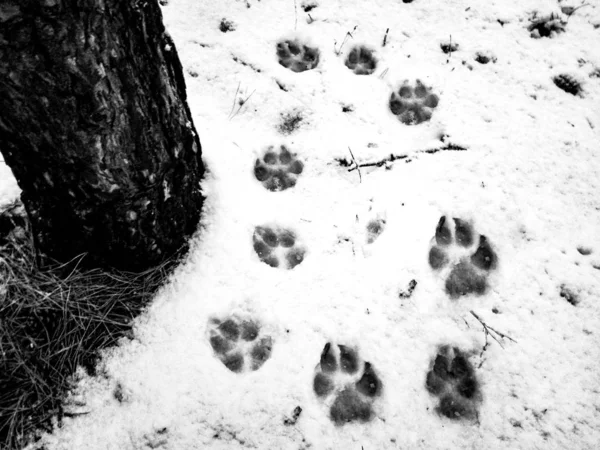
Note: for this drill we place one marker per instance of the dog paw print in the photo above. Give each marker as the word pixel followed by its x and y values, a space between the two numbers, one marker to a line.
pixel 278 247
pixel 413 104
pixel 296 56
pixel 348 385
pixel 470 261
pixel 361 60
pixel 452 380
pixel 546 26
pixel 278 169
pixel 239 343
pixel 568 84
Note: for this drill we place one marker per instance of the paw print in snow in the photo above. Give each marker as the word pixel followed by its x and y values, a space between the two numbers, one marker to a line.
pixel 452 379
pixel 361 60
pixel 413 104
pixel 568 83
pixel 278 247
pixel 296 56
pixel 348 385
pixel 278 170
pixel 546 26
pixel 374 229
pixel 470 268
pixel 239 344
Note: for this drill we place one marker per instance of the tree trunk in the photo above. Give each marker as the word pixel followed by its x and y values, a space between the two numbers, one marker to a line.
pixel 95 126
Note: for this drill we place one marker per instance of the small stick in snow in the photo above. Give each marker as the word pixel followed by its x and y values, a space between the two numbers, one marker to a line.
pixel 235 98
pixel 242 104
pixel 75 414
pixel 339 51
pixel 385 37
pixel 384 73
pixel 449 51
pixel 296 14
pixel 390 159
pixel 450 147
pixel 575 9
pixel 356 165
pixel 502 335
pixel 383 162
pixel 489 331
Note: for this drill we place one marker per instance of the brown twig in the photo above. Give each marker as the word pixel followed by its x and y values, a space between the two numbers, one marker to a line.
pixel 385 37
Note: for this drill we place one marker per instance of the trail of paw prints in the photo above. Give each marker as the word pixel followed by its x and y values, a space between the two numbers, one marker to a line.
pixel 413 103
pixel 452 380
pixel 239 343
pixel 361 60
pixel 278 247
pixel 348 385
pixel 296 56
pixel 470 260
pixel 278 169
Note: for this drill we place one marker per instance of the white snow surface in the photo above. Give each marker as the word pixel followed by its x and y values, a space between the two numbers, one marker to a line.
pixel 529 181
pixel 8 185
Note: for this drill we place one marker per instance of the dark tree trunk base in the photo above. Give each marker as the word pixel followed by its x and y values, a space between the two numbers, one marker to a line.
pixel 95 126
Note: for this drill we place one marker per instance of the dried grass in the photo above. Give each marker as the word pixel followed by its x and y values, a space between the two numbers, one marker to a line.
pixel 52 321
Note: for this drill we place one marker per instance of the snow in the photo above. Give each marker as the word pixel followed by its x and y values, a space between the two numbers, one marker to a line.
pixel 528 180
pixel 8 185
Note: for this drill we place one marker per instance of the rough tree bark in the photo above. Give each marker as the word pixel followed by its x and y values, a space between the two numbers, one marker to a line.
pixel 95 126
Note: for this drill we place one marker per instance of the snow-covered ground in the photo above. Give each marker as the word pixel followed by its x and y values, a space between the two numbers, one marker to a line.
pixel 528 179
pixel 9 190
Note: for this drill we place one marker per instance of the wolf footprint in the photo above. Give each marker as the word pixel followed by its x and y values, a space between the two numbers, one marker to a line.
pixel 239 343
pixel 296 56
pixel 452 380
pixel 454 248
pixel 278 247
pixel 361 61
pixel 413 104
pixel 278 170
pixel 348 385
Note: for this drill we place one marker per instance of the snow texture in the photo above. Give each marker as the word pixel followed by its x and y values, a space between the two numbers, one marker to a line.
pixel 9 190
pixel 527 179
